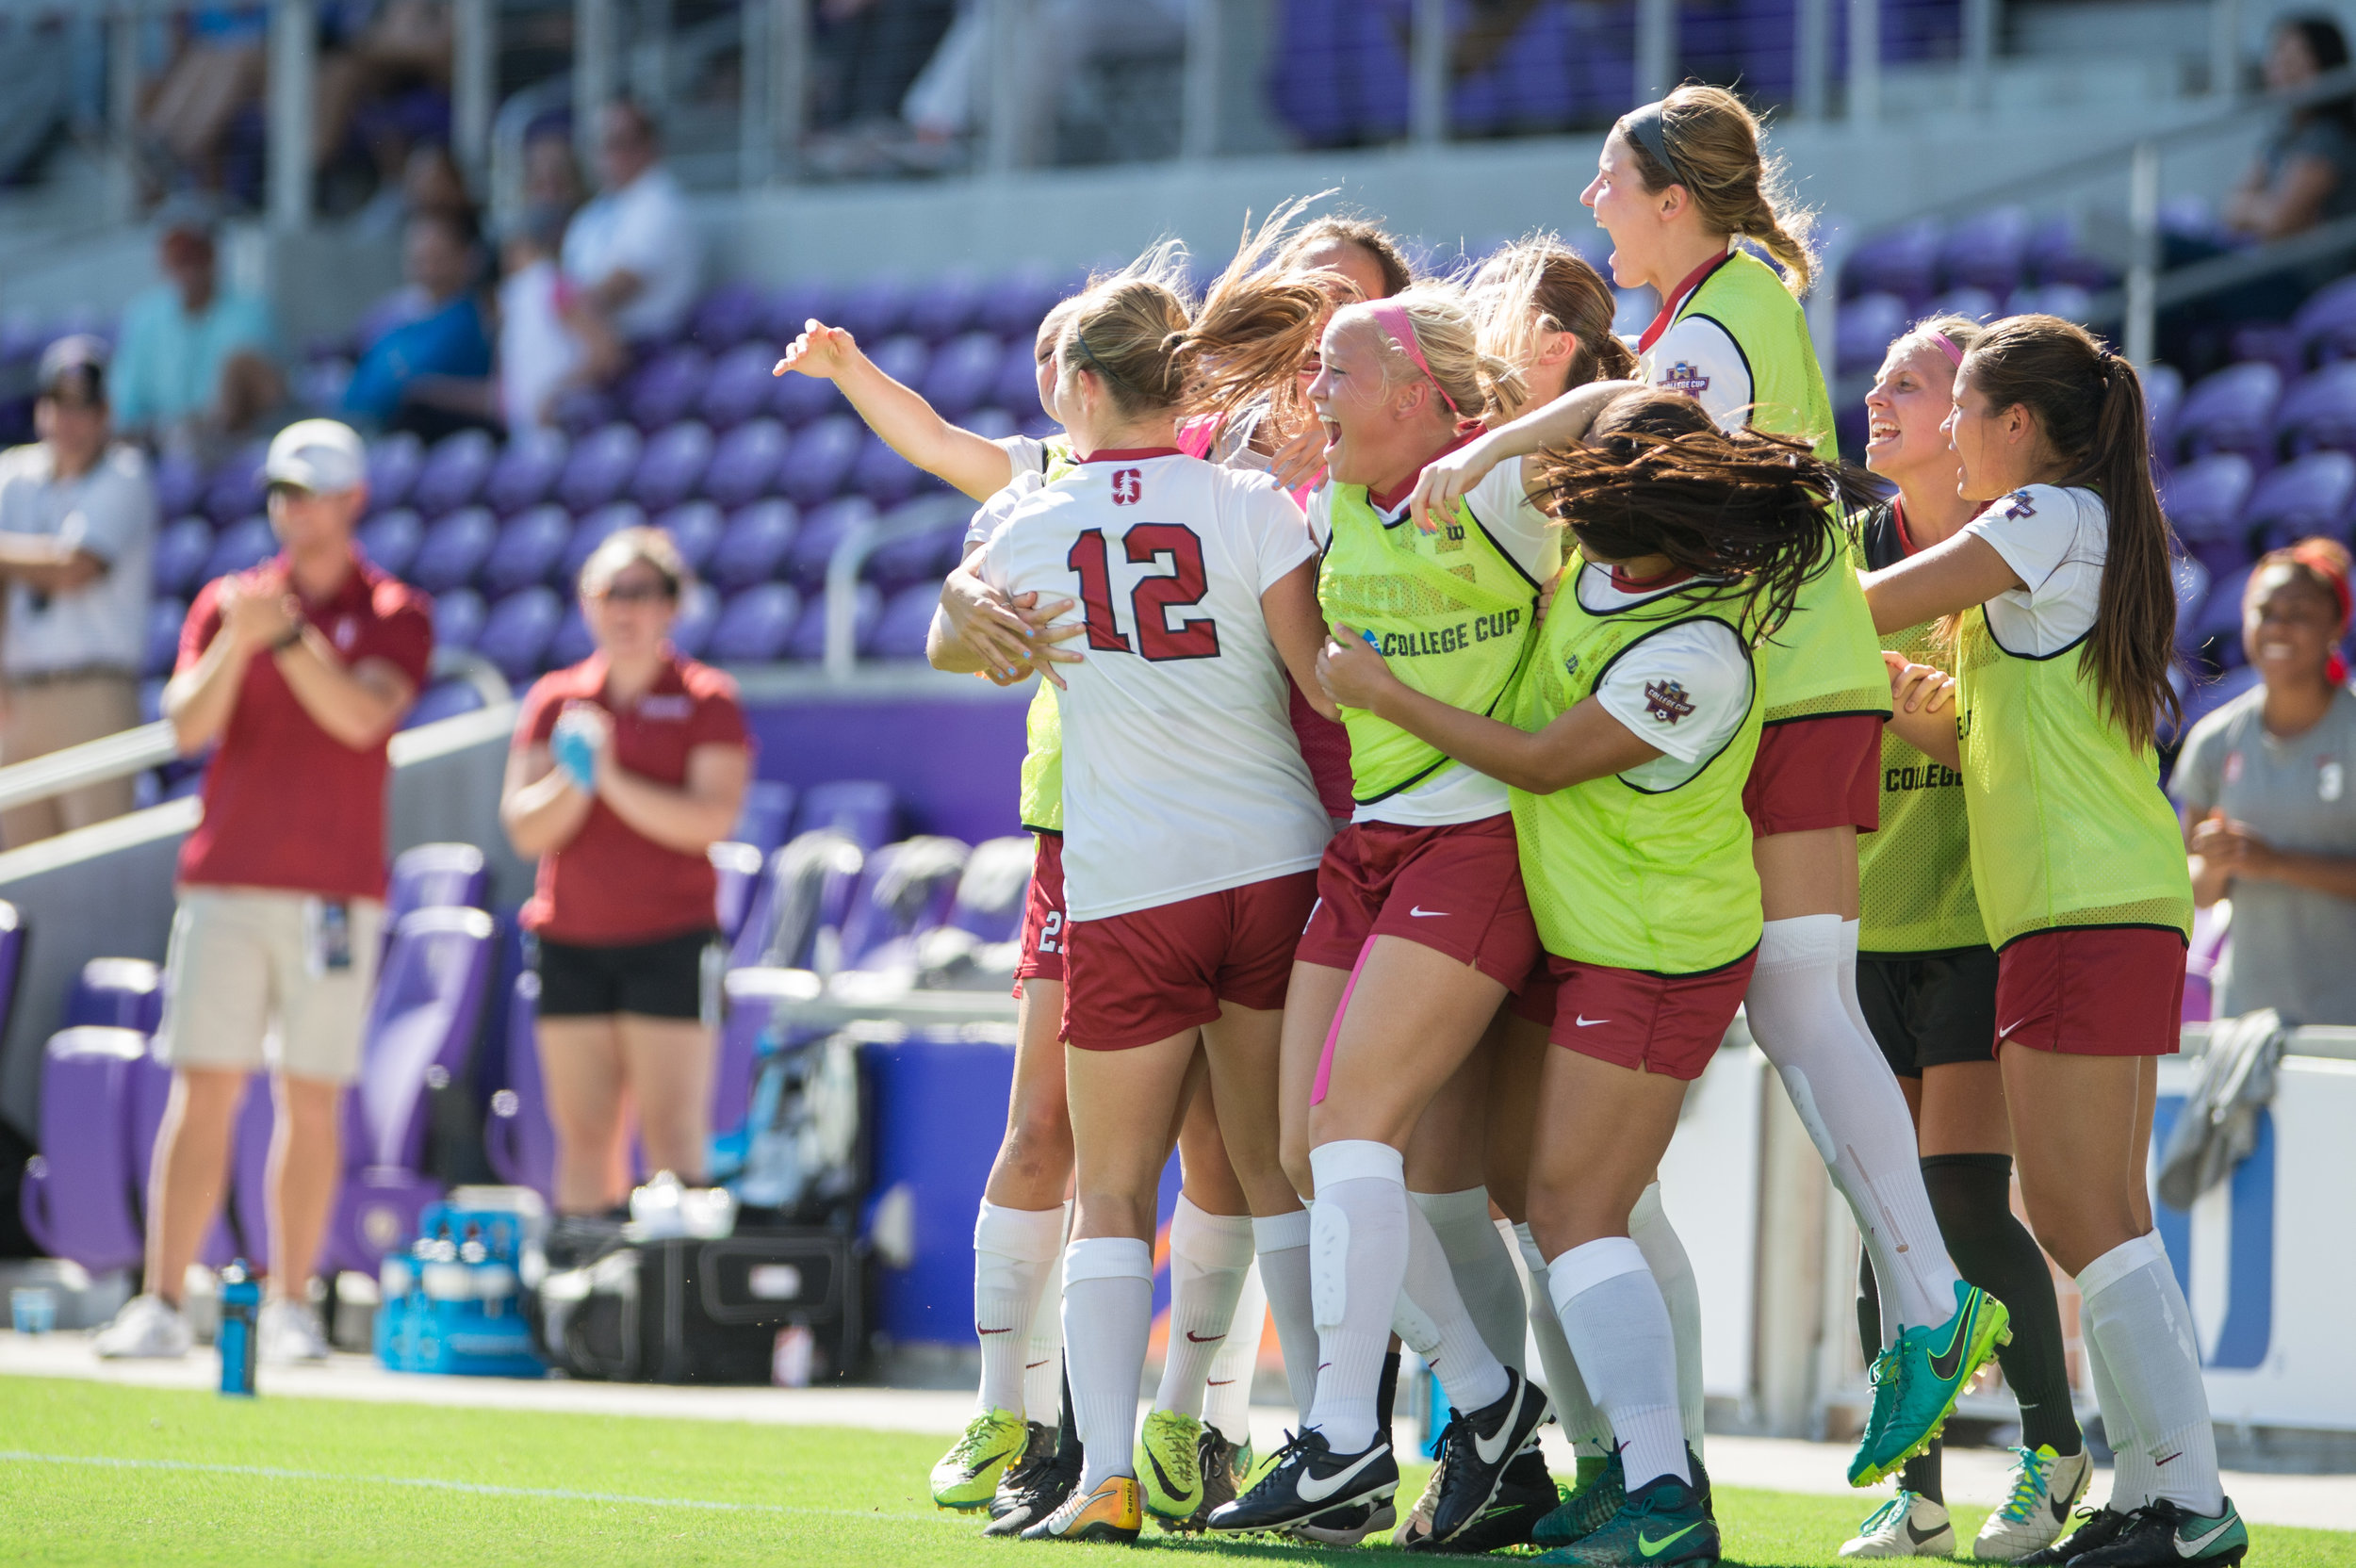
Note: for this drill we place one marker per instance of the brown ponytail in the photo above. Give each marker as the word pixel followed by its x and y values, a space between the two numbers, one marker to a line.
pixel 1538 285
pixel 2089 405
pixel 1712 137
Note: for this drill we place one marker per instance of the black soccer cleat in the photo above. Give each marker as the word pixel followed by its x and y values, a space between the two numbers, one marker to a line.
pixel 1307 1480
pixel 1482 1444
pixel 1525 1496
pixel 2161 1534
pixel 1216 1462
pixel 1033 1489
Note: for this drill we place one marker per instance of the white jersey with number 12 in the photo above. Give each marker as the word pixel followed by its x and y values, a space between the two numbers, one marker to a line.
pixel 1181 773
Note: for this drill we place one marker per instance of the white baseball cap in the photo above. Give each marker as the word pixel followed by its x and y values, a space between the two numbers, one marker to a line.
pixel 322 456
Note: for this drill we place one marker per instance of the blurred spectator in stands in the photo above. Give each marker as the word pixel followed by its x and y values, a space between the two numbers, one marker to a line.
pixel 2306 172
pixel 552 180
pixel 216 71
pixel 431 375
pixel 867 53
pixel 431 181
pixel 1059 38
pixel 538 357
pixel 627 769
pixel 631 256
pixel 2268 786
pixel 402 47
pixel 294 673
pixel 78 533
pixel 193 360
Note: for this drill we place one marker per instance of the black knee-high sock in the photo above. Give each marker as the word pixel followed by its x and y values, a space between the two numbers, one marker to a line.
pixel 1920 1475
pixel 1386 1396
pixel 1067 1428
pixel 1971 1195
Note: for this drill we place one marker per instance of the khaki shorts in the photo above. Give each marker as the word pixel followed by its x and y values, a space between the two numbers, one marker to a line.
pixel 248 983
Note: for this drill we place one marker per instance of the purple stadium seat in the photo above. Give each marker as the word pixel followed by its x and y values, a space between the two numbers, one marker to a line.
pixel 904 358
pixel 873 310
pixel 727 316
pixel 574 641
pixel 2204 500
pixel 804 893
pixel 796 303
pixel 695 527
pixel 165 617
pixel 2218 625
pixel 594 531
pixel 822 531
pixel 181 550
pixel 1016 389
pixel 990 893
pixel 1865 328
pixel 179 483
pixel 800 399
pixel 741 385
pixel 2163 400
pixel 991 424
pixel 808 641
pixel 672 466
pixel 755 544
pixel 945 305
pixel 526 550
pixel 900 630
pixel 390 539
pixel 235 489
pixel 937 522
pixel 746 462
pixel 1012 305
pixel 394 461
pixel 241 546
pixel 1902 261
pixel 862 810
pixel 2057 254
pixel 2324 326
pixel 116 993
pixel 149 1093
pixel 583 409
pixel 434 876
pixel 458 617
pixel 908 888
pixel 883 476
pixel 820 459
pixel 2209 695
pixel 526 471
pixel 454 549
pixel 753 626
pixel 2310 494
pixel 76 1200
pixel 661 392
pixel 2192 591
pixel 2320 411
pixel 737 868
pixel 444 699
pixel 2232 411
pixel 2065 300
pixel 599 465
pixel 429 997
pixel 517 1138
pixel 1987 250
pixel 516 636
pixel 698 612
pixel 454 472
pixel 760 822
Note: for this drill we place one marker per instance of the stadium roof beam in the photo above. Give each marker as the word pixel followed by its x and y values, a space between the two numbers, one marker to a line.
pixel 293 70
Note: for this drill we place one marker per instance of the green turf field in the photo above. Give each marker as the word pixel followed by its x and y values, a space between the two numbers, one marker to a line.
pixel 94 1473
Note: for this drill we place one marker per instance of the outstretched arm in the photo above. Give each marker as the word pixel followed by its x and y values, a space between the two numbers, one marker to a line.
pixel 1449 478
pixel 907 422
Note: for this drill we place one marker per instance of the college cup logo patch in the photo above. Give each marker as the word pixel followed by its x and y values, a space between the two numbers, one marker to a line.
pixel 1683 377
pixel 1666 700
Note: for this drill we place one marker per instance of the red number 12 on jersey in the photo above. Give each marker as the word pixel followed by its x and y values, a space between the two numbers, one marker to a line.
pixel 1152 599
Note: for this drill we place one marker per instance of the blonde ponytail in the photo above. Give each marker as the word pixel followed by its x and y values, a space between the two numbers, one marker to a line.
pixel 1712 138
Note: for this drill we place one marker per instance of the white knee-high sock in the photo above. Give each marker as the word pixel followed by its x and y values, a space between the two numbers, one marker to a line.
pixel 1852 937
pixel 1483 1268
pixel 2144 1325
pixel 2131 1462
pixel 1227 1392
pixel 1107 1318
pixel 1433 1321
pixel 1618 1327
pixel 1673 1271
pixel 1043 1357
pixel 1283 1243
pixel 1357 1264
pixel 1209 1255
pixel 1566 1390
pixel 1014 1253
pixel 1841 1086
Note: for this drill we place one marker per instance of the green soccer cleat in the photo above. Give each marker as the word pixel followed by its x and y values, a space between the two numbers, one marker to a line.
pixel 2161 1534
pixel 967 1475
pixel 1931 1369
pixel 1170 1471
pixel 1593 1498
pixel 1661 1524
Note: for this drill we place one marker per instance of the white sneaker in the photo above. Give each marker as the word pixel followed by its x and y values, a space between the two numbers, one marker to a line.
pixel 1907 1526
pixel 289 1332
pixel 1416 1528
pixel 2045 1487
pixel 147 1329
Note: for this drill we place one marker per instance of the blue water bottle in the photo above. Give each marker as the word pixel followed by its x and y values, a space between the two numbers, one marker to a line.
pixel 241 1317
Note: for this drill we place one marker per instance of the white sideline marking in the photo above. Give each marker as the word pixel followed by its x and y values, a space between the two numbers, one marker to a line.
pixel 275 1473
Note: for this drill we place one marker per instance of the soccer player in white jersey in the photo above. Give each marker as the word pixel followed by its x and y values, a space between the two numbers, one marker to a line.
pixel 1192 827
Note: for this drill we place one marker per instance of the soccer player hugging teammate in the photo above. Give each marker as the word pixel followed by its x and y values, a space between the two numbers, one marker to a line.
pixel 1927 980
pixel 1192 829
pixel 2065 616
pixel 1627 743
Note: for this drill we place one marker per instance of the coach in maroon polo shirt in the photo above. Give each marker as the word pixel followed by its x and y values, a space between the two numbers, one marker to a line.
pixel 296 674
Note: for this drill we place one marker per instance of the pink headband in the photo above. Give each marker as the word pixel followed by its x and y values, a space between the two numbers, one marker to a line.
pixel 1393 319
pixel 1947 346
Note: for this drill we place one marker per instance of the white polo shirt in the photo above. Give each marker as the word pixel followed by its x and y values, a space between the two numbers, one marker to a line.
pixel 109 512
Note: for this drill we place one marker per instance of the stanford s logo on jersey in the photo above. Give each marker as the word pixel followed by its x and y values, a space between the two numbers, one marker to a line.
pixel 1128 486
pixel 1682 377
pixel 1666 700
